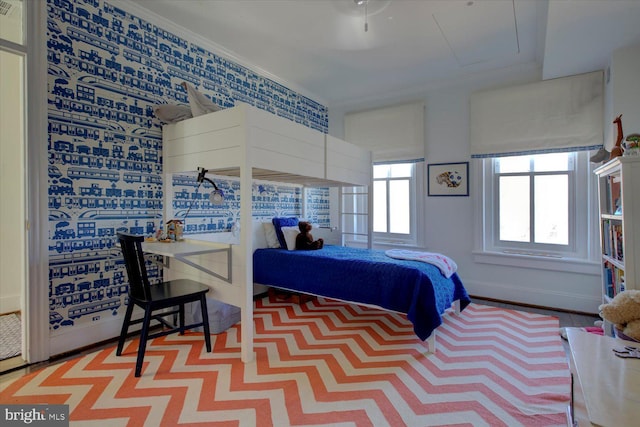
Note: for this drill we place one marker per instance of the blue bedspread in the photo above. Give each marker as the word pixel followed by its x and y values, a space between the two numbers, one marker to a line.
pixel 366 276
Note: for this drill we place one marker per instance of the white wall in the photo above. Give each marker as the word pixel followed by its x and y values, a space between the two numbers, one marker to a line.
pixel 622 91
pixel 625 79
pixel 12 213
pixel 450 221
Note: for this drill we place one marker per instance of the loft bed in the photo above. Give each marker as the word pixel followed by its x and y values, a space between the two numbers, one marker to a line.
pixel 251 144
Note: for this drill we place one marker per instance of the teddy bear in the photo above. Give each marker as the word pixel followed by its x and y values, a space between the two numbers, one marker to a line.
pixel 624 312
pixel 304 239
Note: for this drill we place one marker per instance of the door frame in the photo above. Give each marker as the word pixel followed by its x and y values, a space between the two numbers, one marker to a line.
pixel 35 298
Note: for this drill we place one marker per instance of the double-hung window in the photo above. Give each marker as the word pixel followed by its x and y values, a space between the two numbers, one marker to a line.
pixel 395 194
pixel 394 202
pixel 537 205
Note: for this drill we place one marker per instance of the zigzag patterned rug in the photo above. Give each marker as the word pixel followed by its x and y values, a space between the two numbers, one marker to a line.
pixel 323 363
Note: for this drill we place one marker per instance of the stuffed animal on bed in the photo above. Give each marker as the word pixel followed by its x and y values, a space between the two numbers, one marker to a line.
pixel 304 239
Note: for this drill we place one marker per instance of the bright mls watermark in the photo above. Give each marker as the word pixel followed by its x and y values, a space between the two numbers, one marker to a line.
pixel 35 415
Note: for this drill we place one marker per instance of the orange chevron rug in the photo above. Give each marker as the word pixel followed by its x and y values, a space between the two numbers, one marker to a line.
pixel 324 363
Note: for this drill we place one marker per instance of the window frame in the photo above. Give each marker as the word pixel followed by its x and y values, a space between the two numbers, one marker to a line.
pixel 415 200
pixel 532 246
pixel 582 256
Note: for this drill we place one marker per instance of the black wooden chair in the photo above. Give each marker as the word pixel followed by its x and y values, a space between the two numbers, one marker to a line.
pixel 170 294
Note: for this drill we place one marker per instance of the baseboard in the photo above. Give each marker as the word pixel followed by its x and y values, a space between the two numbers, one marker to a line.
pixel 556 299
pixel 86 335
pixel 479 299
pixel 82 336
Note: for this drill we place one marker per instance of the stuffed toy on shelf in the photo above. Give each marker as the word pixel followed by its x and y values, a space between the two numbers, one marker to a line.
pixel 624 312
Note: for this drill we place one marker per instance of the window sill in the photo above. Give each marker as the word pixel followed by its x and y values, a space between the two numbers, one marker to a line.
pixel 398 244
pixel 385 245
pixel 559 263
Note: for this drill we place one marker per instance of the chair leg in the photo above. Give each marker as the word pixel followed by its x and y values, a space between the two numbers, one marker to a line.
pixel 181 318
pixel 125 328
pixel 144 334
pixel 205 322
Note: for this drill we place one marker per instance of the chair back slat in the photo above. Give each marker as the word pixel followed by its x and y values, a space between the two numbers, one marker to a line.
pixel 134 261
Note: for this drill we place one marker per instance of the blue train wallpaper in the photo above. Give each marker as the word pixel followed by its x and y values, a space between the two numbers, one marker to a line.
pixel 107 69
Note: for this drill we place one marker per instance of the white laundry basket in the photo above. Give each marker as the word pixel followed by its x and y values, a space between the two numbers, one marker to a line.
pixel 221 316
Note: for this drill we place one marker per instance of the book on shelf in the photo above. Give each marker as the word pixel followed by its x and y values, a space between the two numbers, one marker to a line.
pixel 618 244
pixel 608 278
pixel 612 244
pixel 613 280
pixel 614 191
pixel 606 237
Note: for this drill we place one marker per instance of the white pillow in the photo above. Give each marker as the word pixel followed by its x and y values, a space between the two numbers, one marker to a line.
pixel 290 234
pixel 169 113
pixel 199 103
pixel 270 235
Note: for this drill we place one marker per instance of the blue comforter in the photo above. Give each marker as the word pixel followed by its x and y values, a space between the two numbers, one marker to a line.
pixel 364 276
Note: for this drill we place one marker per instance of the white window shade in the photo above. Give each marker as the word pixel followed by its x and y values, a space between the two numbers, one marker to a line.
pixel 564 114
pixel 392 133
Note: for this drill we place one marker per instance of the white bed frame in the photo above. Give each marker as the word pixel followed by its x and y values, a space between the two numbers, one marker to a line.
pixel 248 143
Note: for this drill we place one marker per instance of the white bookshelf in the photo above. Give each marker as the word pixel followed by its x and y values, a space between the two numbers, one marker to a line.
pixel 619 222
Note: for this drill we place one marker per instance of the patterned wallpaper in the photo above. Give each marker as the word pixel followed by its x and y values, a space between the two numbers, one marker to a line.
pixel 106 70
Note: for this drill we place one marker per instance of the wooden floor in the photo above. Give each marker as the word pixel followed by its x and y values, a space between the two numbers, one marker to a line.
pixel 16 366
pixel 567 319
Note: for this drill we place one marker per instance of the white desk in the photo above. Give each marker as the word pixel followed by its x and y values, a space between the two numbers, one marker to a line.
pixel 607 386
pixel 236 292
pixel 183 249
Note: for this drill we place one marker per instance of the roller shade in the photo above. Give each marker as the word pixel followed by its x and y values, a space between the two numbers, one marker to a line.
pixel 391 133
pixel 564 114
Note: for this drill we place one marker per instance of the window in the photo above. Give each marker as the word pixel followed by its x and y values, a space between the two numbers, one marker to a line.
pixel 394 201
pixel 396 192
pixel 538 205
pixel 533 199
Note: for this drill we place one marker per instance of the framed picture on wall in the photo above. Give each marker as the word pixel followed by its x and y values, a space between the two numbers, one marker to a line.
pixel 448 179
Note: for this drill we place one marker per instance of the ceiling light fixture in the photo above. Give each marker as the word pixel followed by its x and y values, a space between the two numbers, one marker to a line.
pixel 364 3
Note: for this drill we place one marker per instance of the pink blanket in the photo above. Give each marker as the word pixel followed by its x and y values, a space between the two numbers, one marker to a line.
pixel 446 265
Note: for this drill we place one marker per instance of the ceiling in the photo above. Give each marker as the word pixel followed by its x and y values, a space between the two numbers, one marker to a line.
pixel 322 48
